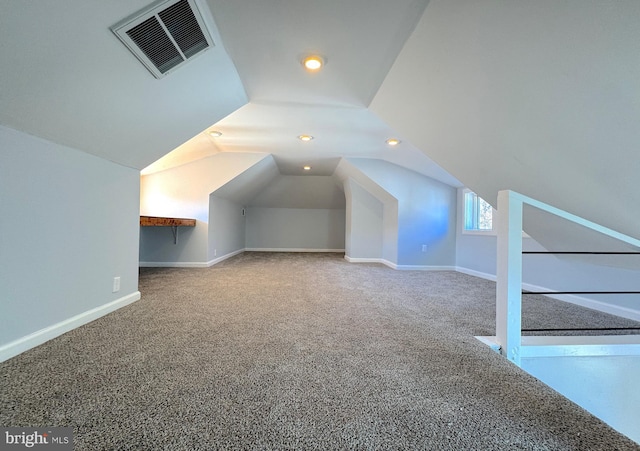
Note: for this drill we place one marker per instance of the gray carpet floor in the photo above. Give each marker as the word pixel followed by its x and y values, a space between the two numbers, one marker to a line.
pixel 301 351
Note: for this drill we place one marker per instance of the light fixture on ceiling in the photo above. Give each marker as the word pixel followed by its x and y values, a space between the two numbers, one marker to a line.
pixel 313 63
pixel 306 168
pixel 215 133
pixel 393 141
pixel 305 138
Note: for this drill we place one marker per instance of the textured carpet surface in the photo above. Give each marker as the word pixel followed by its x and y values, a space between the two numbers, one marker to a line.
pixel 301 351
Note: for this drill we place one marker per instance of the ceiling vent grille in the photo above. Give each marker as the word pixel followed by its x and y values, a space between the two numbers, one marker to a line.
pixel 165 35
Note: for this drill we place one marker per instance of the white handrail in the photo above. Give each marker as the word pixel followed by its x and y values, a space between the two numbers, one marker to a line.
pixel 509 265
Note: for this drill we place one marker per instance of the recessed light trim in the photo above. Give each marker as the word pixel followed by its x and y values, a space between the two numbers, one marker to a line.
pixel 313 63
pixel 305 138
pixel 306 168
pixel 214 133
pixel 393 141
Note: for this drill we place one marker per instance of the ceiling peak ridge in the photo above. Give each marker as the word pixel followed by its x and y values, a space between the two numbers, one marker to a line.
pixel 315 105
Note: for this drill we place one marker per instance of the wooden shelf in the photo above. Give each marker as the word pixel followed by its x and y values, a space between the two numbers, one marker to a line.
pixel 155 221
pixel 174 223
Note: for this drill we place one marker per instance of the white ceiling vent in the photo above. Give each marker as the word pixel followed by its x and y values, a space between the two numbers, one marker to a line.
pixel 165 35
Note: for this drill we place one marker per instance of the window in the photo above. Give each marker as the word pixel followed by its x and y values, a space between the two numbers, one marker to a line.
pixel 478 214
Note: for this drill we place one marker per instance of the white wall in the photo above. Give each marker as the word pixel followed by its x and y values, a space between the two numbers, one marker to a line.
pixel 426 213
pixel 184 192
pixel 390 232
pixel 289 212
pixel 68 226
pixel 349 173
pixel 91 94
pixel 300 191
pixel 540 97
pixel 157 245
pixel 364 223
pixel 295 229
pixel 226 227
pixel 297 213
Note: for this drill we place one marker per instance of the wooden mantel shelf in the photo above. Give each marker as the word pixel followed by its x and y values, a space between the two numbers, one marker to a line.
pixel 155 221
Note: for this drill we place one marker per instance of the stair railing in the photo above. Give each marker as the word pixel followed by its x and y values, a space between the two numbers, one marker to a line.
pixel 509 266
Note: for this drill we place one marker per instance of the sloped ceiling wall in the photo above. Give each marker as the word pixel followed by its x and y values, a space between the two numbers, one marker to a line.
pixel 538 97
pixel 359 38
pixel 71 81
pixel 300 191
pixel 184 191
pixel 246 185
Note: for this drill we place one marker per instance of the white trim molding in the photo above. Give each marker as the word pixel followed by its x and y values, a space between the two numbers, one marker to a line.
pixel 400 267
pixel 364 260
pixel 215 261
pixel 173 264
pixel 229 255
pixel 41 336
pixel 473 272
pixel 424 268
pixel 382 261
pixel 572 346
pixel 190 264
pixel 292 249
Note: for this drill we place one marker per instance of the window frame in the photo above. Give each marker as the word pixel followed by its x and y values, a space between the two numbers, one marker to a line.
pixel 483 232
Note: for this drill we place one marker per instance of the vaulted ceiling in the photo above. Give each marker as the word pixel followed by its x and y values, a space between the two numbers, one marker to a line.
pixel 73 82
pixel 67 78
pixel 541 97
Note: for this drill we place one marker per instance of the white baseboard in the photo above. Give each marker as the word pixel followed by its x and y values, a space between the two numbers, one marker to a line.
pixel 190 264
pixel 592 304
pixel 382 261
pixel 224 257
pixel 173 264
pixel 424 268
pixel 34 339
pixel 363 260
pixel 472 272
pixel 292 249
pixel 399 267
pixel 229 255
pixel 388 263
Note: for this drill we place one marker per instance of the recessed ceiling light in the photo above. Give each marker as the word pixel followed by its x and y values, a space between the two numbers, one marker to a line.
pixel 215 133
pixel 313 62
pixel 393 141
pixel 305 138
pixel 307 168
